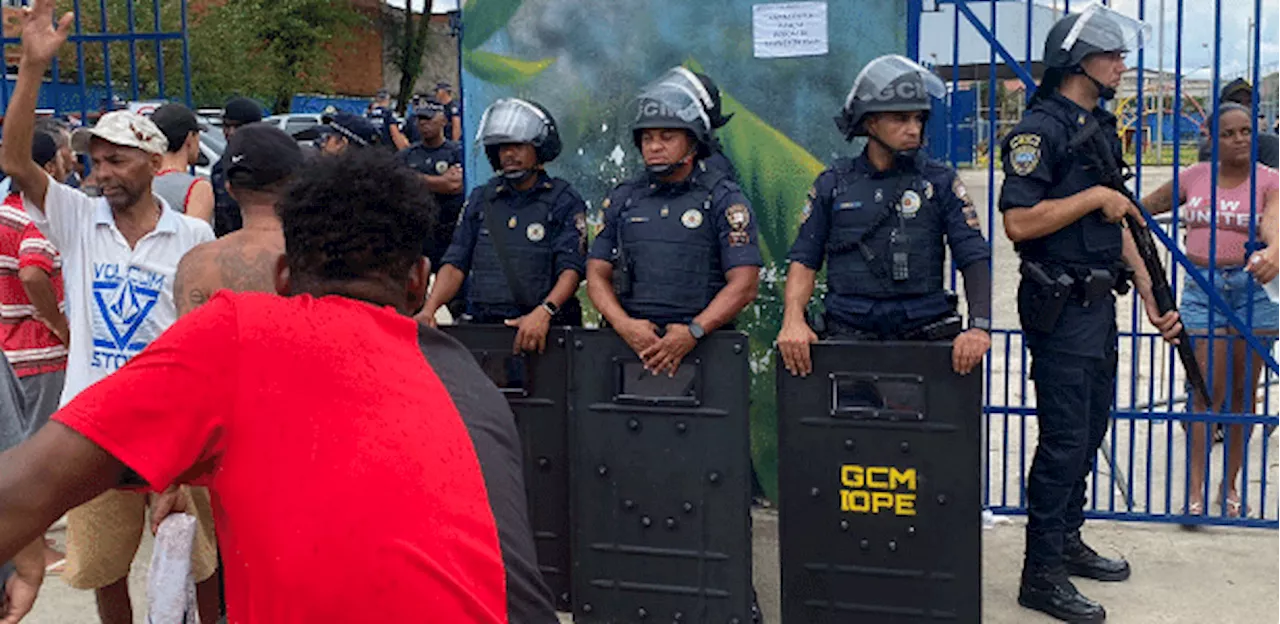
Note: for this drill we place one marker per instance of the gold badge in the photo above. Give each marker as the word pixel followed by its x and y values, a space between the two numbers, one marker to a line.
pixel 1024 153
pixel 739 217
pixel 535 232
pixel 910 204
pixel 442 167
pixel 692 218
pixel 511 223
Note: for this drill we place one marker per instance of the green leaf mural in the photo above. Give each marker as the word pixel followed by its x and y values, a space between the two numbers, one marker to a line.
pixel 502 70
pixel 483 18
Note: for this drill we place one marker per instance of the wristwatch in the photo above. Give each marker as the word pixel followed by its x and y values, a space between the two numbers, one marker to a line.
pixel 696 330
pixel 979 322
pixel 551 307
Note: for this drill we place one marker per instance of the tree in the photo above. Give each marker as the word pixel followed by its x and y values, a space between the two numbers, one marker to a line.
pixel 409 47
pixel 270 48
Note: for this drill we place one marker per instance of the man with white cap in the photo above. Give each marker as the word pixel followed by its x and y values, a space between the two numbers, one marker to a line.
pixel 120 253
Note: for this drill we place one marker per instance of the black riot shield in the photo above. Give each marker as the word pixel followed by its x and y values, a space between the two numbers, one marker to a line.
pixel 537 389
pixel 660 484
pixel 879 471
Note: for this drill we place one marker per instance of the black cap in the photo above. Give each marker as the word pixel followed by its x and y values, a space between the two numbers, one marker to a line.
pixel 383 94
pixel 354 128
pixel 176 122
pixel 428 107
pixel 241 111
pixel 444 85
pixel 43 148
pixel 259 155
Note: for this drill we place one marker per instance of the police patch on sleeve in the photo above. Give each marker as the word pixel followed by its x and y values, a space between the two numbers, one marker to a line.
pixel 1024 153
pixel 739 217
pixel 967 207
pixel 580 223
pixel 807 211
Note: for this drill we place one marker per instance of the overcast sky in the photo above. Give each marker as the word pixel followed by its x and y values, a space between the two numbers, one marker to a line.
pixel 1197 34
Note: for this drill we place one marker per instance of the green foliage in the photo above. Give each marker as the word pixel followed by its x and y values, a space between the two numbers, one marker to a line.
pixel 408 43
pixel 268 49
pixel 502 70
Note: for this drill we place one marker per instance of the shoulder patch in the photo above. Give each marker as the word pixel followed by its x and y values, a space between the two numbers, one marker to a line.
pixel 739 217
pixel 966 204
pixel 1024 153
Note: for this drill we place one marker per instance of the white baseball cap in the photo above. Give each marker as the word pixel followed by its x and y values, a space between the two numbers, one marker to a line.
pixel 124 128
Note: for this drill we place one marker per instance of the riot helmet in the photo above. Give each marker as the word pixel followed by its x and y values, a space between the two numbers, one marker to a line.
pixel 671 102
pixel 1095 30
pixel 513 120
pixel 705 88
pixel 890 83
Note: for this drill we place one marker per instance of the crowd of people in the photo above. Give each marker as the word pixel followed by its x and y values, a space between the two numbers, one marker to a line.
pixel 285 378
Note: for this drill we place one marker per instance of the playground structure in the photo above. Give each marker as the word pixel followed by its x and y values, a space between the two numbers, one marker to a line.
pixel 1159 124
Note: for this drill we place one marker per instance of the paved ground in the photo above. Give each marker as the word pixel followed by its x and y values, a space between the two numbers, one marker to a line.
pixel 1210 575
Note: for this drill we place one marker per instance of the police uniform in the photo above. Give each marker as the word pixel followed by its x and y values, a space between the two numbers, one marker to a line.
pixel 1066 306
pixel 907 209
pixel 436 161
pixel 542 234
pixel 678 241
pixel 717 161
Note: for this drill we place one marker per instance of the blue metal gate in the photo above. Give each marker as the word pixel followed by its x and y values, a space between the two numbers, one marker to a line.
pixel 151 34
pixel 1143 471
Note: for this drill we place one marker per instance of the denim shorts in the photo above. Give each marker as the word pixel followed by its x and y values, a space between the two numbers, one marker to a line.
pixel 1241 293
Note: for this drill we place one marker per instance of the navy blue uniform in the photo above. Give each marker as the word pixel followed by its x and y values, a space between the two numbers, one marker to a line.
pixel 435 161
pixel 717 161
pixel 1073 351
pixel 543 234
pixel 678 240
pixel 451 110
pixel 857 218
pixel 226 212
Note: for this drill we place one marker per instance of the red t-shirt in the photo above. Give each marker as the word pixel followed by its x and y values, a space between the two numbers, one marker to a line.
pixel 30 346
pixel 346 485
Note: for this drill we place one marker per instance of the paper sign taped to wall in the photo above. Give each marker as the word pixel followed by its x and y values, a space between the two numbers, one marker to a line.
pixel 788 29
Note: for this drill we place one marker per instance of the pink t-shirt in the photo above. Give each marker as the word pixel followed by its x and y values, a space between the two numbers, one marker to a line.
pixel 1194 184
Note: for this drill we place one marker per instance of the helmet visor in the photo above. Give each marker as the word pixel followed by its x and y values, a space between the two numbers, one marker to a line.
pixel 679 76
pixel 881 73
pixel 670 100
pixel 511 121
pixel 1107 30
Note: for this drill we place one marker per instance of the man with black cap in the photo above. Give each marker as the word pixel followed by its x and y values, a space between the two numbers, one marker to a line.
pixel 439 160
pixel 185 193
pixel 226 214
pixel 1239 91
pixel 452 112
pixel 344 130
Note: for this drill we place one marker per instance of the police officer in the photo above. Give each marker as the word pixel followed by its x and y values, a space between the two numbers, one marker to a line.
pixel 522 236
pixel 677 257
pixel 1068 230
pixel 880 220
pixel 709 97
pixel 344 130
pixel 440 163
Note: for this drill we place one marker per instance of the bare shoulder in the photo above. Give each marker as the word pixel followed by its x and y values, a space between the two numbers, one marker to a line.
pixel 247 261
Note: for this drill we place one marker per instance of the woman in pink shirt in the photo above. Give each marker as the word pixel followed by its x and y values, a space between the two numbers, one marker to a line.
pixel 1237 272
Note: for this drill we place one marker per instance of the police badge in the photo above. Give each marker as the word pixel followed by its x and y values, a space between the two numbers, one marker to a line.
pixel 1024 153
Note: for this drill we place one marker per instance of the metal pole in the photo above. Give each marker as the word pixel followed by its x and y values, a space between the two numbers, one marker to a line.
pixel 1160 90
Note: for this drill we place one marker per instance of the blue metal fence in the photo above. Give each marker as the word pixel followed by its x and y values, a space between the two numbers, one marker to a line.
pixel 1143 471
pixel 99 28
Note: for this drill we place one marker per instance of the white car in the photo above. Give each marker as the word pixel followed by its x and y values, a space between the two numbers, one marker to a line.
pixel 293 123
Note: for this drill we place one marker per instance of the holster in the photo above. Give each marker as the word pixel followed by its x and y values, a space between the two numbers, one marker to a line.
pixel 1048 294
pixel 946 328
pixel 622 275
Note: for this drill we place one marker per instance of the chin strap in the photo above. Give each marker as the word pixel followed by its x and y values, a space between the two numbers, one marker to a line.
pixel 901 158
pixel 1104 92
pixel 517 176
pixel 662 170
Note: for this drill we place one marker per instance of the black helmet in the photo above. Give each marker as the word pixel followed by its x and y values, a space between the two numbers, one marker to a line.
pixel 671 102
pixel 704 87
pixel 1096 29
pixel 512 120
pixel 890 83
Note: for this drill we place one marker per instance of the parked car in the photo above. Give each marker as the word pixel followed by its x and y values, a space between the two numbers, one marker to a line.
pixel 293 123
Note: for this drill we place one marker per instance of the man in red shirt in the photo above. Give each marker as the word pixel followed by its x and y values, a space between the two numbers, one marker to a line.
pixel 363 468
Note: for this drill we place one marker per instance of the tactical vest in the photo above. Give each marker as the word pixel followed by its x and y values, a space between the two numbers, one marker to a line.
pixel 528 229
pixel 1090 241
pixel 860 205
pixel 673 247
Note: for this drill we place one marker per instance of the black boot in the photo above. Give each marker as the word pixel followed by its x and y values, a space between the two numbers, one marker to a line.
pixel 1049 591
pixel 1080 560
